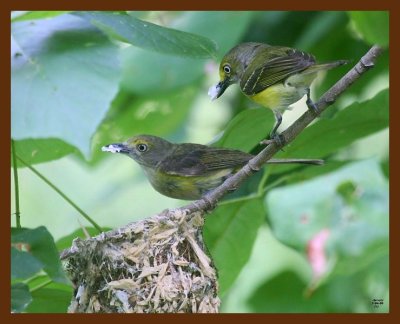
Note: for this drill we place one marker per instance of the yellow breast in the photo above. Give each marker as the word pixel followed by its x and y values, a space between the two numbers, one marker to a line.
pixel 185 187
pixel 271 97
pixel 281 95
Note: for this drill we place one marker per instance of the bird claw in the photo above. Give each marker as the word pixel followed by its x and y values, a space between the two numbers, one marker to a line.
pixel 266 142
pixel 252 167
pixel 312 106
pixel 278 139
pixel 233 189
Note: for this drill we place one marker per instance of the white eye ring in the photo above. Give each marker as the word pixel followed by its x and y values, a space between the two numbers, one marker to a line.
pixel 142 147
pixel 227 69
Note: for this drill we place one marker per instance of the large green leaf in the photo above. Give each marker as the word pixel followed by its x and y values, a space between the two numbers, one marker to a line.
pixel 148 72
pixel 328 38
pixel 284 293
pixel 35 151
pixel 351 206
pixel 20 297
pixel 229 234
pixel 373 26
pixel 146 35
pixel 385 166
pixel 352 203
pixel 214 24
pixel 48 296
pixel 64 75
pixel 23 264
pixel 42 247
pixel 318 27
pixel 37 14
pixel 50 300
pixel 328 136
pixel 287 293
pixel 247 129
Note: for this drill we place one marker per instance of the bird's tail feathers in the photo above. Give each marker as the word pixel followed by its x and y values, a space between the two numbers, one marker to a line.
pixel 325 66
pixel 299 161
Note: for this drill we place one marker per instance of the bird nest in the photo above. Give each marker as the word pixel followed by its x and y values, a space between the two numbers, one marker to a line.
pixel 157 265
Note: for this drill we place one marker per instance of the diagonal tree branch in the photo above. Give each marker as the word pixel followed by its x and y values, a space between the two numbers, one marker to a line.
pixel 159 264
pixel 212 198
pixel 233 182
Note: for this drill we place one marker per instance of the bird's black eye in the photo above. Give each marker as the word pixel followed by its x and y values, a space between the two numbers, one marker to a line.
pixel 141 147
pixel 227 69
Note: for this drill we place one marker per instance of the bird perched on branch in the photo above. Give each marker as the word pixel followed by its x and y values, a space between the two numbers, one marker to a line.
pixel 273 76
pixel 186 171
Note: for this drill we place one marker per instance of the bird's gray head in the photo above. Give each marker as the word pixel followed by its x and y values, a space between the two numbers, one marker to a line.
pixel 233 66
pixel 147 150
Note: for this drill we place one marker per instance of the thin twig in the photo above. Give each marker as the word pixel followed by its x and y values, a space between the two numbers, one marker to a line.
pixel 80 211
pixel 16 186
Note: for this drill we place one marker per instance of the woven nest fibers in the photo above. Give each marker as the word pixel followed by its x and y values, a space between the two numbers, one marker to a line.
pixel 157 265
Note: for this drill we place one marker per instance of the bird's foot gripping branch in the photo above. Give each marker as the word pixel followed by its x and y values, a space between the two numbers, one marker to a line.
pixel 159 264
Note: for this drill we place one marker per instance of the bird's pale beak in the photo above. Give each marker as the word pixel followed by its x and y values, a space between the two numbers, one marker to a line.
pixel 116 148
pixel 223 85
pixel 217 90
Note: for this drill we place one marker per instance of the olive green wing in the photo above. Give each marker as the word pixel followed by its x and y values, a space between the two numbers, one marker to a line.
pixel 266 69
pixel 198 160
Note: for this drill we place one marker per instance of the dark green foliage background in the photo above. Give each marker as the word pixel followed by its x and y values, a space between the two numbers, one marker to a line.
pixel 81 80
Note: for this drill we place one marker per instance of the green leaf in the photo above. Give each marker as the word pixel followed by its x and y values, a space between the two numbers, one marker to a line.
pixel 37 14
pixel 287 293
pixel 297 212
pixel 23 264
pixel 372 25
pixel 247 129
pixel 41 246
pixel 385 167
pixel 20 297
pixel 66 241
pixel 148 72
pixel 229 234
pixel 204 23
pixel 338 44
pixel 279 27
pixel 352 263
pixel 319 27
pixel 347 190
pixel 284 293
pixel 50 300
pixel 328 136
pixel 35 151
pixel 157 73
pixel 146 35
pixel 64 75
